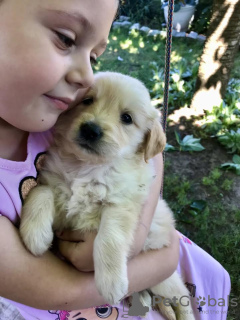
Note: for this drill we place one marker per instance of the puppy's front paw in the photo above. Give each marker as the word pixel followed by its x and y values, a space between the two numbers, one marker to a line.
pixel 36 238
pixel 113 286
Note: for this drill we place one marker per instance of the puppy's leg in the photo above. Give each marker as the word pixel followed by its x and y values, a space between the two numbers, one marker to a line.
pixel 111 248
pixel 37 219
pixel 174 289
pixel 165 309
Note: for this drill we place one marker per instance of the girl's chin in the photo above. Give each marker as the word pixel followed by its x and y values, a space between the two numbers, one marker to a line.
pixel 40 126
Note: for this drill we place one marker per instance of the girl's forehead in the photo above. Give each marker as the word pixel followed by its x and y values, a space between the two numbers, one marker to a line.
pixel 80 5
pixel 89 7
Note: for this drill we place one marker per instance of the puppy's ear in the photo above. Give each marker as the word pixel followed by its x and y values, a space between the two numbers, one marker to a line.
pixel 155 141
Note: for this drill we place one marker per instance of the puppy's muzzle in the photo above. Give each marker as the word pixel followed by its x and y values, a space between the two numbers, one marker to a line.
pixel 90 132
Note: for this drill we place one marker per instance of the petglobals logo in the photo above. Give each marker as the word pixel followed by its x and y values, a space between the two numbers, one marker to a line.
pixel 202 301
pixel 203 304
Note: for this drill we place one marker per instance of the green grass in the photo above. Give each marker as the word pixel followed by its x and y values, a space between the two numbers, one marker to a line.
pixel 215 228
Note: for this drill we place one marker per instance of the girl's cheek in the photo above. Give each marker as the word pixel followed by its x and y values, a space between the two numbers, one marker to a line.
pixel 46 72
pixel 44 63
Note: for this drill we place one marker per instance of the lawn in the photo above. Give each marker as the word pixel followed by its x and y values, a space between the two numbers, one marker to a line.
pixel 204 198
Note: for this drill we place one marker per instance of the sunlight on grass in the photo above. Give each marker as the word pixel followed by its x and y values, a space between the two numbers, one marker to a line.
pixel 175 57
pixel 134 33
pixel 180 86
pixel 97 67
pixel 126 44
pixel 133 50
pixel 176 77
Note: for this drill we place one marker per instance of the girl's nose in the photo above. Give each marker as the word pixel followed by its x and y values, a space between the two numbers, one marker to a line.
pixel 81 74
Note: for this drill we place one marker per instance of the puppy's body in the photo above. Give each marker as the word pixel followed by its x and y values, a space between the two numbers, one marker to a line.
pixel 96 178
pixel 82 195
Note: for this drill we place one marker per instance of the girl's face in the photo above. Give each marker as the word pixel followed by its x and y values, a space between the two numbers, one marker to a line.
pixel 47 47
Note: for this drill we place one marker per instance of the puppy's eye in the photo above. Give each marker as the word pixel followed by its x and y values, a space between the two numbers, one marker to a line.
pixel 87 101
pixel 126 118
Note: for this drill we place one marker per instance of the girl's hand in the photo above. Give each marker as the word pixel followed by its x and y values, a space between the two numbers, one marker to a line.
pixel 77 248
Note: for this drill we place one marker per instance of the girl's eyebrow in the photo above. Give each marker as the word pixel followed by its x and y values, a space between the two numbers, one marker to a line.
pixel 75 17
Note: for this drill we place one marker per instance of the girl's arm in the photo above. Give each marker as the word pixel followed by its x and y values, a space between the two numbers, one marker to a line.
pixel 51 284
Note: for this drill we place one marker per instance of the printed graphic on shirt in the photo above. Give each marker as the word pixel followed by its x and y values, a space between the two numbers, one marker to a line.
pixel 30 182
pixel 108 313
pixel 185 239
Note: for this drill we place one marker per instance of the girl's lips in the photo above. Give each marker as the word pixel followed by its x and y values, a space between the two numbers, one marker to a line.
pixel 57 103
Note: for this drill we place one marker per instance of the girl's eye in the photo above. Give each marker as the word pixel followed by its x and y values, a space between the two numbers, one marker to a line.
pixel 66 41
pixel 126 118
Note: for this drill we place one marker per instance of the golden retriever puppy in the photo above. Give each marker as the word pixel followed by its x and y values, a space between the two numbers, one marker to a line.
pixel 97 177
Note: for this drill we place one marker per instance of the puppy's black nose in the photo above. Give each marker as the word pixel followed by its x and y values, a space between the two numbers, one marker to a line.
pixel 90 131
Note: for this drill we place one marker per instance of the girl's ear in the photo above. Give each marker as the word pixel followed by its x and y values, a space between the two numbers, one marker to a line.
pixel 155 141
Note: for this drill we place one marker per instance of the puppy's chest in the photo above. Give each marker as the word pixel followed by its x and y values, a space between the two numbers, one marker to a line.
pixel 88 197
pixel 85 206
pixel 96 194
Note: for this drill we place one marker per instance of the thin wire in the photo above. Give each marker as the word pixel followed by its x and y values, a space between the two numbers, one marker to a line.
pixel 167 73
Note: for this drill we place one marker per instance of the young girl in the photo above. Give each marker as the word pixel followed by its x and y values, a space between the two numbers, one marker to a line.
pixel 47 47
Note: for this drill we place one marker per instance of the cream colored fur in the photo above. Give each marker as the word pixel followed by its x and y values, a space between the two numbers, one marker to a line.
pixel 102 185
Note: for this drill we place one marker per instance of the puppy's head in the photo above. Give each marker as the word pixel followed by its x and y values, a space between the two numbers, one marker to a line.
pixel 115 119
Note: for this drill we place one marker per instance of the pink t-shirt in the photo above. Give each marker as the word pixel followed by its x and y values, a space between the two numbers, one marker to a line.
pixel 201 273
